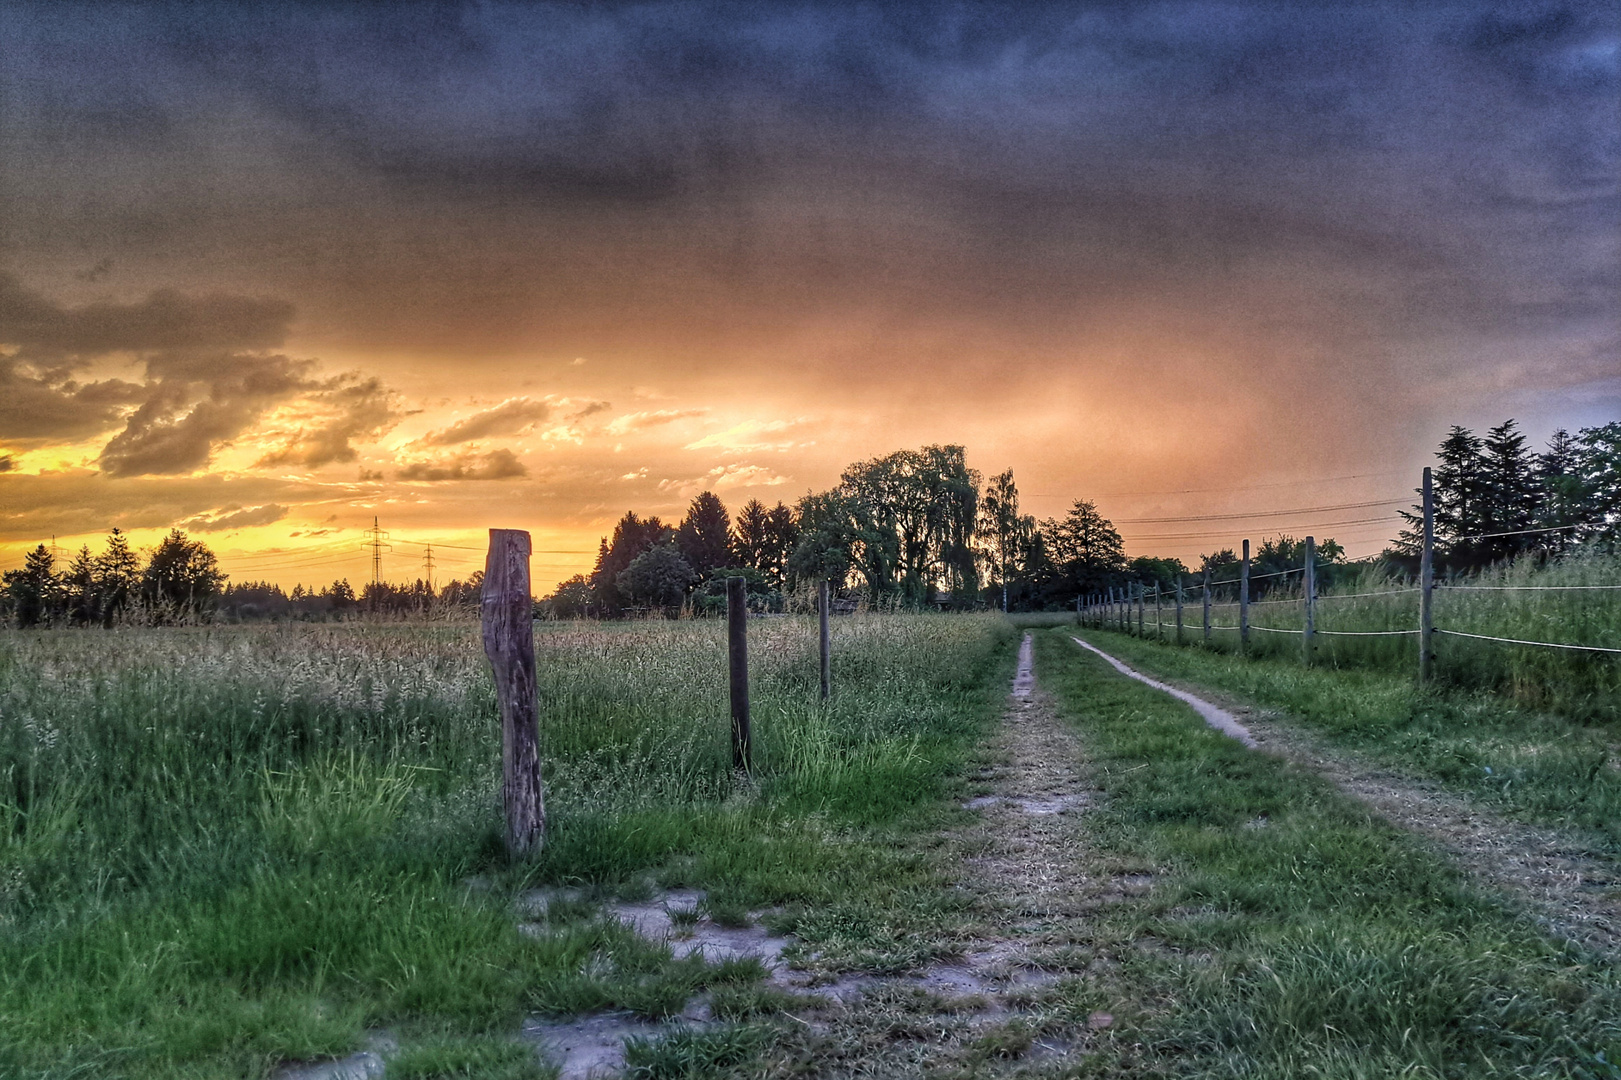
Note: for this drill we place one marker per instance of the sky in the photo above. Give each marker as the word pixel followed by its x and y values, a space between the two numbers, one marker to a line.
pixel 270 272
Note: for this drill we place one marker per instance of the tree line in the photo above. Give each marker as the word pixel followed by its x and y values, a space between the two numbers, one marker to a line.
pixel 911 528
pixel 180 582
pixel 1496 499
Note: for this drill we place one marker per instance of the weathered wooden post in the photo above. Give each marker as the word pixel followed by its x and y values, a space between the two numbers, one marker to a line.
pixel 1310 589
pixel 1141 603
pixel 826 640
pixel 509 642
pixel 737 640
pixel 1244 600
pixel 1207 607
pixel 1426 583
pixel 1179 609
pixel 1159 622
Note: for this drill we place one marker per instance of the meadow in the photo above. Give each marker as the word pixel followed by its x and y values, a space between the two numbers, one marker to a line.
pixel 222 849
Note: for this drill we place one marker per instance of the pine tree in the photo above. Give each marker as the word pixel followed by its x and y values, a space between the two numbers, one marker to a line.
pixel 34 590
pixel 81 594
pixel 118 576
pixel 1563 492
pixel 705 535
pixel 1460 497
pixel 1510 494
pixel 751 543
pixel 1601 481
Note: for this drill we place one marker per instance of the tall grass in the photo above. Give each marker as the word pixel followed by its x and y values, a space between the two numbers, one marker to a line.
pixel 1582 684
pixel 222 847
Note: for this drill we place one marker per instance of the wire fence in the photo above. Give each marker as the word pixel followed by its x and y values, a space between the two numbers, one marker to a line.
pixel 1547 630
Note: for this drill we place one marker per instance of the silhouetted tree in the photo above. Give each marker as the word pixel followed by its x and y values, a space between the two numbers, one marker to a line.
pixel 118 577
pixel 705 534
pixel 33 591
pixel 631 537
pixel 182 578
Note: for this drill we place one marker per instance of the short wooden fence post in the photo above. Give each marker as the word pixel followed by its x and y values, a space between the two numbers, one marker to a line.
pixel 1207 607
pixel 1244 600
pixel 737 641
pixel 1179 609
pixel 1426 583
pixel 1159 622
pixel 507 616
pixel 826 640
pixel 1309 588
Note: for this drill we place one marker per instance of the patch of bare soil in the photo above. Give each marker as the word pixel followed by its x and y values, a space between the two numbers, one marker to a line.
pixel 1572 890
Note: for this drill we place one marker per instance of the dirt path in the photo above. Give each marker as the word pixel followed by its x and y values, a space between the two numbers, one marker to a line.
pixel 1572 891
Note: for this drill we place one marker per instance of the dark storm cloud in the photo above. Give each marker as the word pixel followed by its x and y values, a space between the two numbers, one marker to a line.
pixel 1319 196
pixel 42 331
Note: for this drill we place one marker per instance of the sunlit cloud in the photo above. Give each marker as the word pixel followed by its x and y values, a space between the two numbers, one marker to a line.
pixel 750 436
pixel 641 421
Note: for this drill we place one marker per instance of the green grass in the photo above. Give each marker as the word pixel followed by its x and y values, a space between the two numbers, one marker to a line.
pixel 1534 766
pixel 222 849
pixel 1289 933
pixel 1582 686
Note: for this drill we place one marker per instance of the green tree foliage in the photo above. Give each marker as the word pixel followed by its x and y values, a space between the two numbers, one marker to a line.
pixel 33 592
pixel 81 589
pixel 658 577
pixel 928 501
pixel 1008 533
pixel 1495 499
pixel 705 535
pixel 1150 572
pixel 838 541
pixel 631 537
pixel 765 540
pixel 182 579
pixel 571 600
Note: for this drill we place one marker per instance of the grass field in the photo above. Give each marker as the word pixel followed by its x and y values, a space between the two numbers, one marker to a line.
pixel 222 849
pixel 1291 934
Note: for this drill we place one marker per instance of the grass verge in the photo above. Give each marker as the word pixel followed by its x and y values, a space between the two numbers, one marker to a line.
pixel 1540 768
pixel 1289 933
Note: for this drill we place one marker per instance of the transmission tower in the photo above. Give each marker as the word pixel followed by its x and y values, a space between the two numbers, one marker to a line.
pixel 377 540
pixel 427 566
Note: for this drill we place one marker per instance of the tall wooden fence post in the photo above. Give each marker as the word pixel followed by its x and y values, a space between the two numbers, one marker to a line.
pixel 1426 583
pixel 1159 607
pixel 1244 600
pixel 1207 607
pixel 1141 603
pixel 509 641
pixel 1179 609
pixel 737 649
pixel 1309 587
pixel 826 640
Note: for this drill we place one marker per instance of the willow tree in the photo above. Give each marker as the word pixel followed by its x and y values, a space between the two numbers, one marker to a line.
pixel 927 503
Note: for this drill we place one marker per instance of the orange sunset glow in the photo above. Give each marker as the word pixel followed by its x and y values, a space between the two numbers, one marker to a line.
pixel 268 276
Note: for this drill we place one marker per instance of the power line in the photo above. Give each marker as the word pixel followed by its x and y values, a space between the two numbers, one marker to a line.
pixel 1207 535
pixel 1263 513
pixel 1219 491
